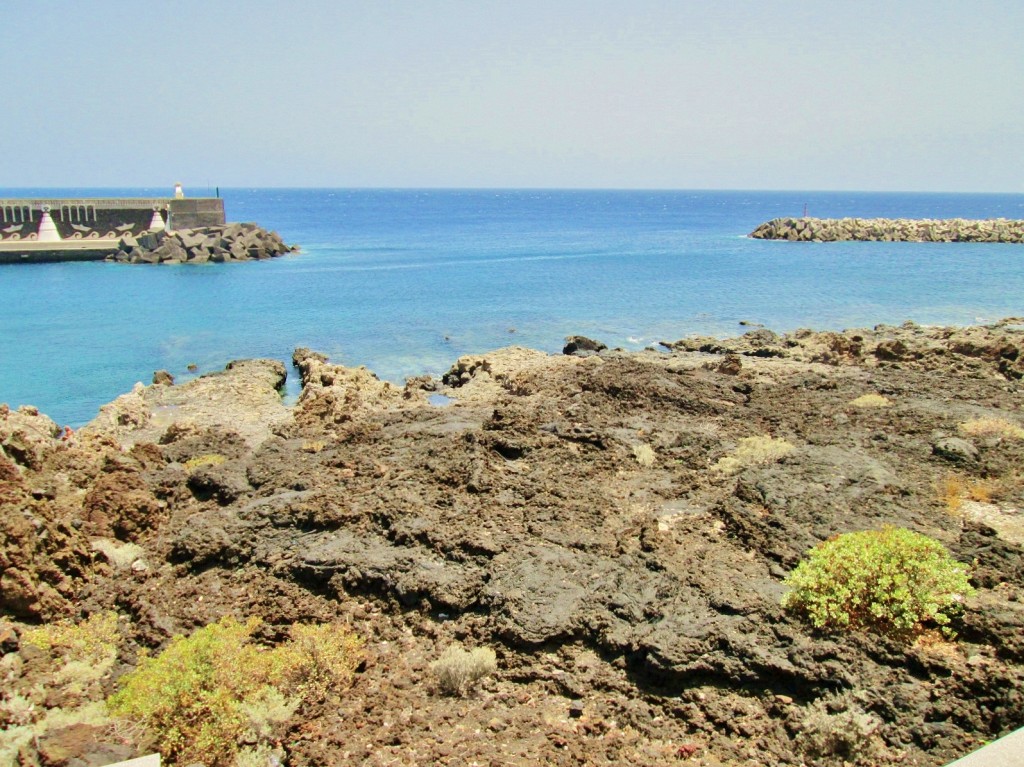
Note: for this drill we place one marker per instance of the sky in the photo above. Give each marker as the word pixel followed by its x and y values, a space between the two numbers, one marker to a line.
pixel 634 94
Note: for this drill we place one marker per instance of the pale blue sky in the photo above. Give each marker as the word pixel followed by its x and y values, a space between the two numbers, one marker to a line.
pixel 771 94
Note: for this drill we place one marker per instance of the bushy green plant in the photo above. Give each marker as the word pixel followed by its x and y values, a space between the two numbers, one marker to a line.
pixel 93 642
pixel 205 695
pixel 74 663
pixel 891 581
pixel 79 655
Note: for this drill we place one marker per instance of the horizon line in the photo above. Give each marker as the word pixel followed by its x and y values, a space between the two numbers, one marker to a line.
pixel 520 189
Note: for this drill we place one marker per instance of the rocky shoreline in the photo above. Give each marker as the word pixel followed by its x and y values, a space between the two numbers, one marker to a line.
pixel 891 230
pixel 569 511
pixel 211 244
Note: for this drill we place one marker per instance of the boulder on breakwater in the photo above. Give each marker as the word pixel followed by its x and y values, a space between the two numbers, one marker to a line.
pixel 217 244
pixel 891 230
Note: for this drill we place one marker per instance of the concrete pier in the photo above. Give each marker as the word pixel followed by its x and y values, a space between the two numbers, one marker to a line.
pixel 46 230
pixel 95 218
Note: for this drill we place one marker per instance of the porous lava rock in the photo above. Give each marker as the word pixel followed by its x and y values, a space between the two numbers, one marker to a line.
pixel 594 519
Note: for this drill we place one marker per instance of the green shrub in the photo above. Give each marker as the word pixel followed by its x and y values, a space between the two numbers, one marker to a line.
pixel 93 642
pixel 890 581
pixel 206 695
pixel 75 662
pixel 80 655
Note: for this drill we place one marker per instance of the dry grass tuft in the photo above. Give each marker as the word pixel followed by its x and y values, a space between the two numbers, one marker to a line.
pixel 935 643
pixel 458 668
pixel 209 459
pixel 707 427
pixel 953 489
pixel 839 731
pixel 1000 428
pixel 644 455
pixel 866 401
pixel 119 555
pixel 754 451
pixel 983 491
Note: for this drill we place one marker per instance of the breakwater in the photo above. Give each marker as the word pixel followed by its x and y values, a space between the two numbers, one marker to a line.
pixel 891 230
pixel 217 244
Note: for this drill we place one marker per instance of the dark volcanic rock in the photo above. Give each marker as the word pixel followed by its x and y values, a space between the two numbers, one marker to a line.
pixel 582 346
pixel 956 450
pixel 593 519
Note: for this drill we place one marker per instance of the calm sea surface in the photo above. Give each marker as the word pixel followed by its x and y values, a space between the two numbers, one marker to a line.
pixel 405 281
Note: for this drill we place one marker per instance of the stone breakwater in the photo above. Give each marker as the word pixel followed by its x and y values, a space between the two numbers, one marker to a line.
pixel 891 230
pixel 217 244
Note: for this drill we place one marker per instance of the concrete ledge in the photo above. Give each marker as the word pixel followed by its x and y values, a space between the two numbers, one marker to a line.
pixel 35 252
pixel 1008 751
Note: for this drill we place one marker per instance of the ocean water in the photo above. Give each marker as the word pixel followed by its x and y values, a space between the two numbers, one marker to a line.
pixel 406 281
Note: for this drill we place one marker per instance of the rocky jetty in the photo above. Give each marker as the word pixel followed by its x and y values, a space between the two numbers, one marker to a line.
pixel 592 519
pixel 891 230
pixel 216 244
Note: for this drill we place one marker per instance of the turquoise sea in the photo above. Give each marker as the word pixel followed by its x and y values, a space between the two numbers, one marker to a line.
pixel 405 281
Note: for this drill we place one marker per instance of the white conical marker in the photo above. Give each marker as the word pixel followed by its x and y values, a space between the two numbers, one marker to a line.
pixel 157 224
pixel 47 229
